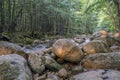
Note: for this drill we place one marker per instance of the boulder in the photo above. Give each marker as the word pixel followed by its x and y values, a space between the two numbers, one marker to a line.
pixel 10 48
pixel 14 67
pixel 98 75
pixel 36 63
pixel 117 36
pixel 51 64
pixel 101 33
pixel 102 61
pixel 104 36
pixel 109 40
pixel 96 46
pixel 67 50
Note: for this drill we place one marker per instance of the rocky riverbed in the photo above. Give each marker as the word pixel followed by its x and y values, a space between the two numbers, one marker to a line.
pixel 95 57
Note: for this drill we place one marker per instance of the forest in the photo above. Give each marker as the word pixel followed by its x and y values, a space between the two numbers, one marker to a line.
pixel 39 18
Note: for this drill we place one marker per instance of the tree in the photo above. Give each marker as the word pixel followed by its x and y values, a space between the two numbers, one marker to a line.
pixel 2 23
pixel 117 3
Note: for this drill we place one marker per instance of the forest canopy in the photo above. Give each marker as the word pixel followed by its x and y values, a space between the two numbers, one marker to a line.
pixel 59 17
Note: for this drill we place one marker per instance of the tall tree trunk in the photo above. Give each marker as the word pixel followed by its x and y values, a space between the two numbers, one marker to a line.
pixel 2 21
pixel 9 11
pixel 13 10
pixel 118 14
pixel 13 23
pixel 1 17
pixel 117 3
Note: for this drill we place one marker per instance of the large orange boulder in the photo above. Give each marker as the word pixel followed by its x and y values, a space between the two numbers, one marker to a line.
pixel 67 50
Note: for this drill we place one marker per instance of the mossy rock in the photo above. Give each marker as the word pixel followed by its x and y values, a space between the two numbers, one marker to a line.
pixel 14 67
pixel 96 46
pixel 102 61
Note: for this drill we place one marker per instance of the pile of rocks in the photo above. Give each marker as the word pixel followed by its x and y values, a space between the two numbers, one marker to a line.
pixel 65 60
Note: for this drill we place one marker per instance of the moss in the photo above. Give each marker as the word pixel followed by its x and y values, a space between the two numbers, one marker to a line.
pixel 8 72
pixel 28 40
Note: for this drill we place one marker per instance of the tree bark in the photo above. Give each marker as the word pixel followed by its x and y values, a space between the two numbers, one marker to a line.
pixel 117 3
pixel 1 16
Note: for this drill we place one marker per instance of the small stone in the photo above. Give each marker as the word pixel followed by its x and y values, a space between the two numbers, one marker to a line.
pixel 63 73
pixel 35 76
pixel 53 56
pixel 49 79
pixel 79 40
pixel 77 69
pixel 52 77
pixel 60 61
pixel 43 77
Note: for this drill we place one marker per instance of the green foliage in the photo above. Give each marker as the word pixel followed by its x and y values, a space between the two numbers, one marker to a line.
pixel 57 17
pixel 94 15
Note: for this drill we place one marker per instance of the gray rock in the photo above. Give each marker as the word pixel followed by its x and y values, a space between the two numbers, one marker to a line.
pixel 102 61
pixel 14 67
pixel 115 48
pixel 51 64
pixel 98 75
pixel 36 63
